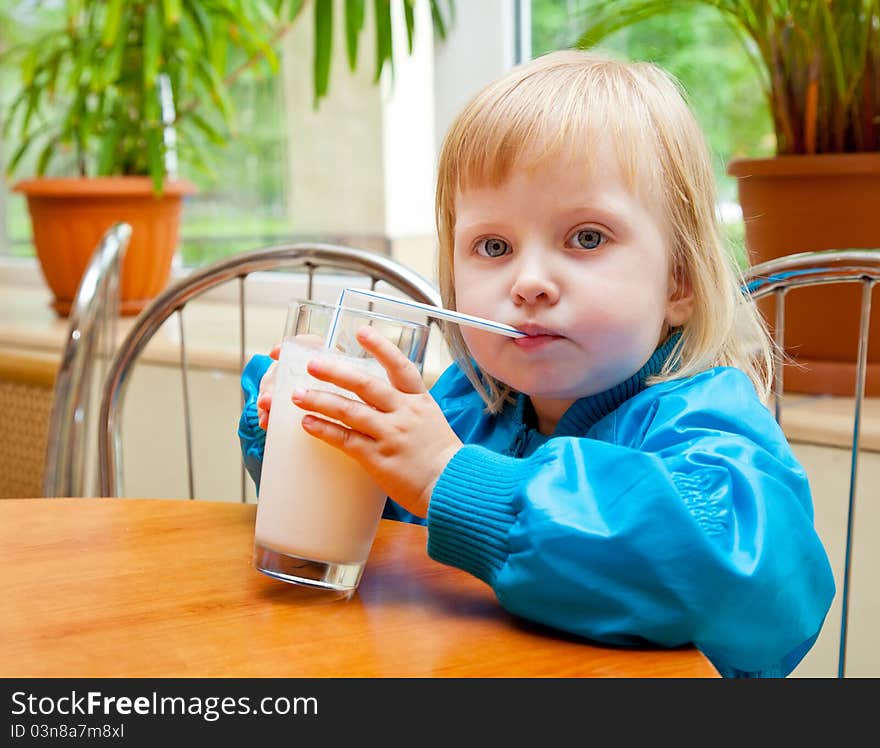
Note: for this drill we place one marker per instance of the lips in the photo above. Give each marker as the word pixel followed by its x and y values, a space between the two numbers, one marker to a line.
pixel 538 336
pixel 533 330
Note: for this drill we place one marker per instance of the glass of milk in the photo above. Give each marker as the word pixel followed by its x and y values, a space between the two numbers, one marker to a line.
pixel 318 509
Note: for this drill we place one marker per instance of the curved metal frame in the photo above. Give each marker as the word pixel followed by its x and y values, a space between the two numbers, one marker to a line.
pixel 810 269
pixel 177 295
pixel 94 309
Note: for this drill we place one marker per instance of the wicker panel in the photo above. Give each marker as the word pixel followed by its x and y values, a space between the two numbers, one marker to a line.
pixel 24 424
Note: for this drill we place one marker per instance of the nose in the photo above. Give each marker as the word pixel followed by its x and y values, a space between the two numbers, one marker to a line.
pixel 534 282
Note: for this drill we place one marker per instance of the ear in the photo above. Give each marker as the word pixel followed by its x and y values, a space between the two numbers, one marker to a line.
pixel 680 305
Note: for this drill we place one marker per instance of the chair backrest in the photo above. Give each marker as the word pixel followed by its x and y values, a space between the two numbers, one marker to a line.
pixel 778 277
pixel 89 340
pixel 308 258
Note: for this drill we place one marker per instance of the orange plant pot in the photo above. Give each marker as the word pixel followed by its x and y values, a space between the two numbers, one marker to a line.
pixel 804 203
pixel 70 215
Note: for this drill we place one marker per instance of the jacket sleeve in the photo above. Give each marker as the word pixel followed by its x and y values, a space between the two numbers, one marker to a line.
pixel 689 526
pixel 251 435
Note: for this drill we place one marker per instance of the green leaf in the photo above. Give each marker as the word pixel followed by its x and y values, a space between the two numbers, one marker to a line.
pixel 196 12
pixel 155 145
pixel 199 158
pixel 152 46
pixel 113 61
pixel 17 155
pixel 323 46
pixel 608 17
pixel 219 45
pixel 155 159
pixel 52 69
pixel 251 39
pixel 81 73
pixel 213 134
pixel 215 88
pixel 265 16
pixel 355 11
pixel 46 155
pixel 29 66
pixel 295 7
pixel 111 22
pixel 9 115
pixel 383 35
pixel 107 149
pixel 437 17
pixel 172 11
pixel 152 114
pixel 410 23
pixel 74 8
pixel 33 99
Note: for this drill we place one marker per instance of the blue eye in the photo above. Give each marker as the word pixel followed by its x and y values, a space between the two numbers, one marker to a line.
pixel 493 247
pixel 587 238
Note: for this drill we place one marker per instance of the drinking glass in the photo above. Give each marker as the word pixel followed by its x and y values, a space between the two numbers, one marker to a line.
pixel 318 510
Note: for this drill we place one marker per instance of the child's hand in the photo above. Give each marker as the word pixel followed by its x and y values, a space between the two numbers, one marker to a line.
pixel 264 398
pixel 398 433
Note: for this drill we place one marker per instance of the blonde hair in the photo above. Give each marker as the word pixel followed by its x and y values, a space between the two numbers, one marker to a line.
pixel 565 102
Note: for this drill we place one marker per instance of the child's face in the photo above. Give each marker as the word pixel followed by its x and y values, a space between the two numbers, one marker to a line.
pixel 580 262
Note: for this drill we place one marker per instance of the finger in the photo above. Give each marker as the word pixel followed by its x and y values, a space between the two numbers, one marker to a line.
pixel 267 382
pixel 263 407
pixel 374 391
pixel 352 413
pixel 402 373
pixel 349 441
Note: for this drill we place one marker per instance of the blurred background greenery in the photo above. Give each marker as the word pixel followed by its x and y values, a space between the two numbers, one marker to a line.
pixel 241 202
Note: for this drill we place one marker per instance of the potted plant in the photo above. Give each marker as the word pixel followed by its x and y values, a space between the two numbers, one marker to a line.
pixel 819 62
pixel 114 91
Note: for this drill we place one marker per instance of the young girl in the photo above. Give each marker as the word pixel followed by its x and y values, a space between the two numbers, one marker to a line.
pixel 615 473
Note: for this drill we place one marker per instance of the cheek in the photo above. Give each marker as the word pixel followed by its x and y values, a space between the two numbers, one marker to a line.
pixel 628 314
pixel 483 346
pixel 467 299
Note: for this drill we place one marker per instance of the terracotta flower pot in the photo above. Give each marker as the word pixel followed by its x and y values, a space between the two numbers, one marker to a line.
pixel 803 203
pixel 70 215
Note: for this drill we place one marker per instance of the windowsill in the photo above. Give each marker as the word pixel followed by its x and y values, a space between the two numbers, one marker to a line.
pixel 29 325
pixel 828 421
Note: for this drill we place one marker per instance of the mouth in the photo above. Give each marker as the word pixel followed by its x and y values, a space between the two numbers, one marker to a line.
pixel 536 336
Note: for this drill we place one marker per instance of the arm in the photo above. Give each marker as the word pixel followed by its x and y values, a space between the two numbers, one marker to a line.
pixel 680 518
pixel 678 524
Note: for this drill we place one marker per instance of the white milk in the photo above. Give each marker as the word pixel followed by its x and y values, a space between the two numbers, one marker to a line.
pixel 315 502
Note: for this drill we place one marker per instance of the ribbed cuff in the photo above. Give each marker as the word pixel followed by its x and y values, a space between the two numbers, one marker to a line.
pixel 472 510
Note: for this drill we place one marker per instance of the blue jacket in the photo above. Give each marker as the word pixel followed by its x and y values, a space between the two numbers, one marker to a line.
pixel 661 515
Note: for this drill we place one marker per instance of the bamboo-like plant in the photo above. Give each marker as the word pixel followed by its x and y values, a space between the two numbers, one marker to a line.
pixel 102 90
pixel 819 61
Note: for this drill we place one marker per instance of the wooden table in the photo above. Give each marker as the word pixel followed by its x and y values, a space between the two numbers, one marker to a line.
pixel 156 588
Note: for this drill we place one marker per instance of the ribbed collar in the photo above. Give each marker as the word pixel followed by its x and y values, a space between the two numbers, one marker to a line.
pixel 587 411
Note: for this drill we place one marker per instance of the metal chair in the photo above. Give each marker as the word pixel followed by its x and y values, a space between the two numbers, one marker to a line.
pixel 309 258
pixel 90 337
pixel 784 274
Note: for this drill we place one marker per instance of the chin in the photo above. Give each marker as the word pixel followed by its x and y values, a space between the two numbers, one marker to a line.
pixel 540 388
